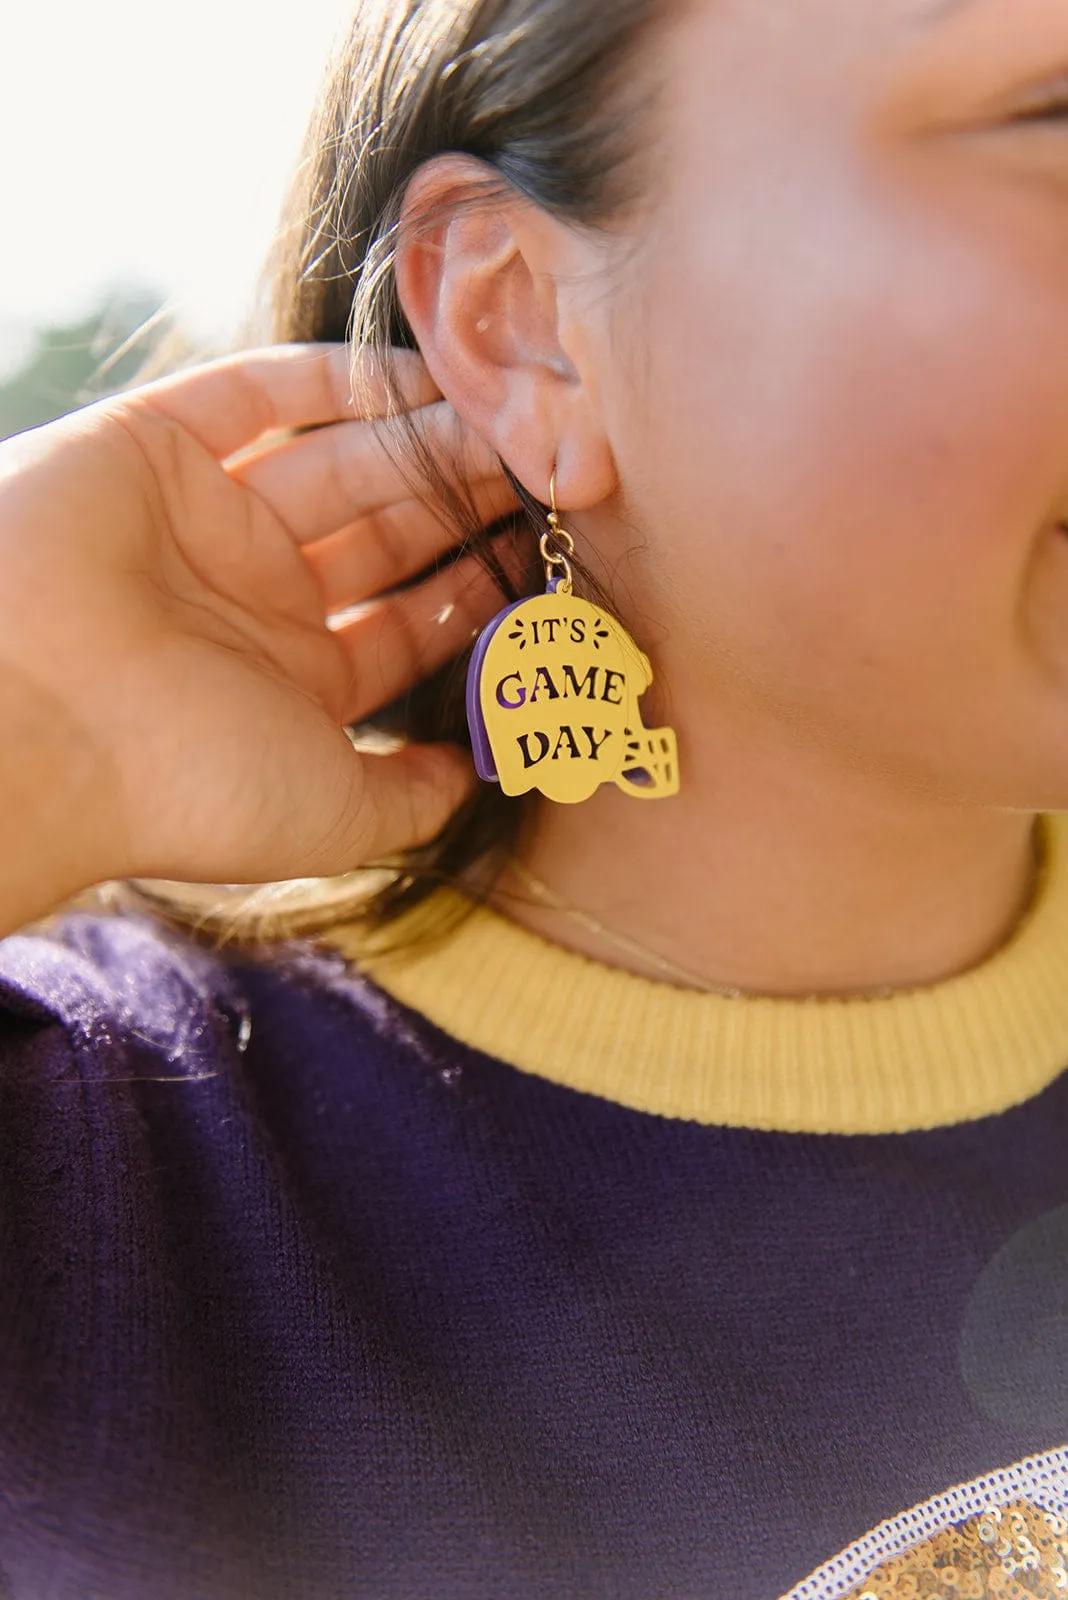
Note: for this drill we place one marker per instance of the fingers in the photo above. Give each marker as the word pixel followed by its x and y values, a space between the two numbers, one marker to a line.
pixel 406 799
pixel 382 549
pixel 317 483
pixel 398 640
pixel 340 808
pixel 228 403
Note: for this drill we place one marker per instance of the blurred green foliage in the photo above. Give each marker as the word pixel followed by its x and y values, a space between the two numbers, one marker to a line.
pixel 70 364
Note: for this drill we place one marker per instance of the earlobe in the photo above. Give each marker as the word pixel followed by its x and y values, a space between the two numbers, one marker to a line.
pixel 478 283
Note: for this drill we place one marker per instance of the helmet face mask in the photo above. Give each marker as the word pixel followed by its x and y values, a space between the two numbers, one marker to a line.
pixel 552 702
pixel 650 767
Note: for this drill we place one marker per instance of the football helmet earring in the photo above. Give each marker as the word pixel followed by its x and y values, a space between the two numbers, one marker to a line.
pixel 552 694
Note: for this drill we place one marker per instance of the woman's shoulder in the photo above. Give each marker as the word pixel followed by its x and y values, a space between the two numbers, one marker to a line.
pixel 99 973
pixel 104 983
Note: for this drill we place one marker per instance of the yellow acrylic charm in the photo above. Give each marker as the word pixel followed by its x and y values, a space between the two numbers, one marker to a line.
pixel 552 703
pixel 552 695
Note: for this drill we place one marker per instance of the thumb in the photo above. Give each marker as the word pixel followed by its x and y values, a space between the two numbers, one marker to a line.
pixel 398 801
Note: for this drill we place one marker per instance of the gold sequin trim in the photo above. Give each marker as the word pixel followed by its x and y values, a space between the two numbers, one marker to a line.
pixel 1012 1552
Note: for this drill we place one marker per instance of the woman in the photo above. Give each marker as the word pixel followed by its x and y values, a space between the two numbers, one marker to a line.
pixel 594 1198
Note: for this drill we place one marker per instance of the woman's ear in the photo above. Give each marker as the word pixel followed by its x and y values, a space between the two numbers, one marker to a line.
pixel 488 288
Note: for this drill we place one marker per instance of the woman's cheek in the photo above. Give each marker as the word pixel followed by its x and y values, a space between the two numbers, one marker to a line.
pixel 875 448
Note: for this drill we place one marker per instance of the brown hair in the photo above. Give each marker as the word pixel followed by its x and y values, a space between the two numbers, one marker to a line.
pixel 550 95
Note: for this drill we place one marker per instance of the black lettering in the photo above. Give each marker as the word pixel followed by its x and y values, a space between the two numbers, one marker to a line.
pixel 542 680
pixel 589 682
pixel 543 740
pixel 595 744
pixel 565 735
pixel 609 674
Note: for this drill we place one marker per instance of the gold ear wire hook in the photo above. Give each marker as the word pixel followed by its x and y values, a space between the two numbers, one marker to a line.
pixel 552 558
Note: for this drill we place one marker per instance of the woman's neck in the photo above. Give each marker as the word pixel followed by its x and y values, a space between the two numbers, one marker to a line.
pixel 776 873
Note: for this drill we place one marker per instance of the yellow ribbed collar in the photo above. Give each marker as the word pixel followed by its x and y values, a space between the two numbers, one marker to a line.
pixel 970 1046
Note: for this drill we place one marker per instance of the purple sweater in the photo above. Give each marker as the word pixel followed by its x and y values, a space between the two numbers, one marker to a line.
pixel 302 1299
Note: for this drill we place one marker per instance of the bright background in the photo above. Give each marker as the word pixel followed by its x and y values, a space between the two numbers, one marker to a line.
pixel 146 149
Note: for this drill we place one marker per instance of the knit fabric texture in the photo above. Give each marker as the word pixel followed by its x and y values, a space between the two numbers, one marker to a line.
pixel 324 1277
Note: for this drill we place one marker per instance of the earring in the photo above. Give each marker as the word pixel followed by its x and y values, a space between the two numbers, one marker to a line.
pixel 552 694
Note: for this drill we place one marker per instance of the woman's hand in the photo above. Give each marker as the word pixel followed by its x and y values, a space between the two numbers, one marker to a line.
pixel 173 697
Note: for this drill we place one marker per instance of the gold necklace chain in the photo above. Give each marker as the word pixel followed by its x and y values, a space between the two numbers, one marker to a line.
pixel 551 898
pixel 587 920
